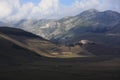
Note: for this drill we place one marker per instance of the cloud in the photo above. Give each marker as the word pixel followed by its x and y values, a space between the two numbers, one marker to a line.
pixel 101 5
pixel 5 9
pixel 8 8
pixel 21 12
pixel 11 10
pixel 46 9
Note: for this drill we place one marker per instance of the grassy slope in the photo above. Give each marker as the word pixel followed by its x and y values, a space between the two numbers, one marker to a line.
pixel 12 54
pixel 39 45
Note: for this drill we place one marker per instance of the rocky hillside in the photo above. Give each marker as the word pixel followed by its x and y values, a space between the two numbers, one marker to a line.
pixel 101 27
pixel 87 21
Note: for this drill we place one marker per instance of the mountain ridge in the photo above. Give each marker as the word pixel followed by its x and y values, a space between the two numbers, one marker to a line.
pixel 51 28
pixel 90 21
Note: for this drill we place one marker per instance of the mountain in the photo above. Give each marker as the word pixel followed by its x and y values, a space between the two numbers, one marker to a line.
pixel 101 26
pixel 26 40
pixel 40 46
pixel 22 40
pixel 99 49
pixel 1 23
pixel 6 23
pixel 41 27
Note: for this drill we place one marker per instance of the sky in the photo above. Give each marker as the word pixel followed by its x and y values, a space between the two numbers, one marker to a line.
pixel 64 2
pixel 11 10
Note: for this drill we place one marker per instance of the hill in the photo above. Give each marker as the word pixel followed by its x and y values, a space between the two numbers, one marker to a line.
pixel 39 45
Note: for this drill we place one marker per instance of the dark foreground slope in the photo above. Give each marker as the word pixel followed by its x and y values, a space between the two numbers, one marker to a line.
pixel 96 68
pixel 12 54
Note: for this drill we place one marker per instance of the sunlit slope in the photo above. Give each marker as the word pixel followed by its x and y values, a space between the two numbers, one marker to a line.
pixel 39 45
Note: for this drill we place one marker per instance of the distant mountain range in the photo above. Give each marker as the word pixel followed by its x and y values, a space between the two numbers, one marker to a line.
pixel 70 29
pixel 101 27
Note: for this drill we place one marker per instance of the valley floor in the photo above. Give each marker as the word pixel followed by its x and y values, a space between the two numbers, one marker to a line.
pixel 98 68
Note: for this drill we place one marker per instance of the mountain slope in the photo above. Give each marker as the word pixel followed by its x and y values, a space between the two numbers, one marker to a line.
pixel 93 25
pixel 12 54
pixel 39 45
pixel 101 27
pixel 19 47
pixel 101 49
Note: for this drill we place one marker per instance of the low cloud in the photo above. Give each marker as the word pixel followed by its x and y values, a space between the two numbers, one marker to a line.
pixel 11 10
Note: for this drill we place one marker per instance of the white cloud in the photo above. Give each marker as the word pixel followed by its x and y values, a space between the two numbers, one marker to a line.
pixel 8 8
pixel 14 10
pixel 46 9
pixel 5 9
pixel 21 12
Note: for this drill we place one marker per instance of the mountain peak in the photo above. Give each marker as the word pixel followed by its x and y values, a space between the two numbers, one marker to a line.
pixel 88 12
pixel 92 10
